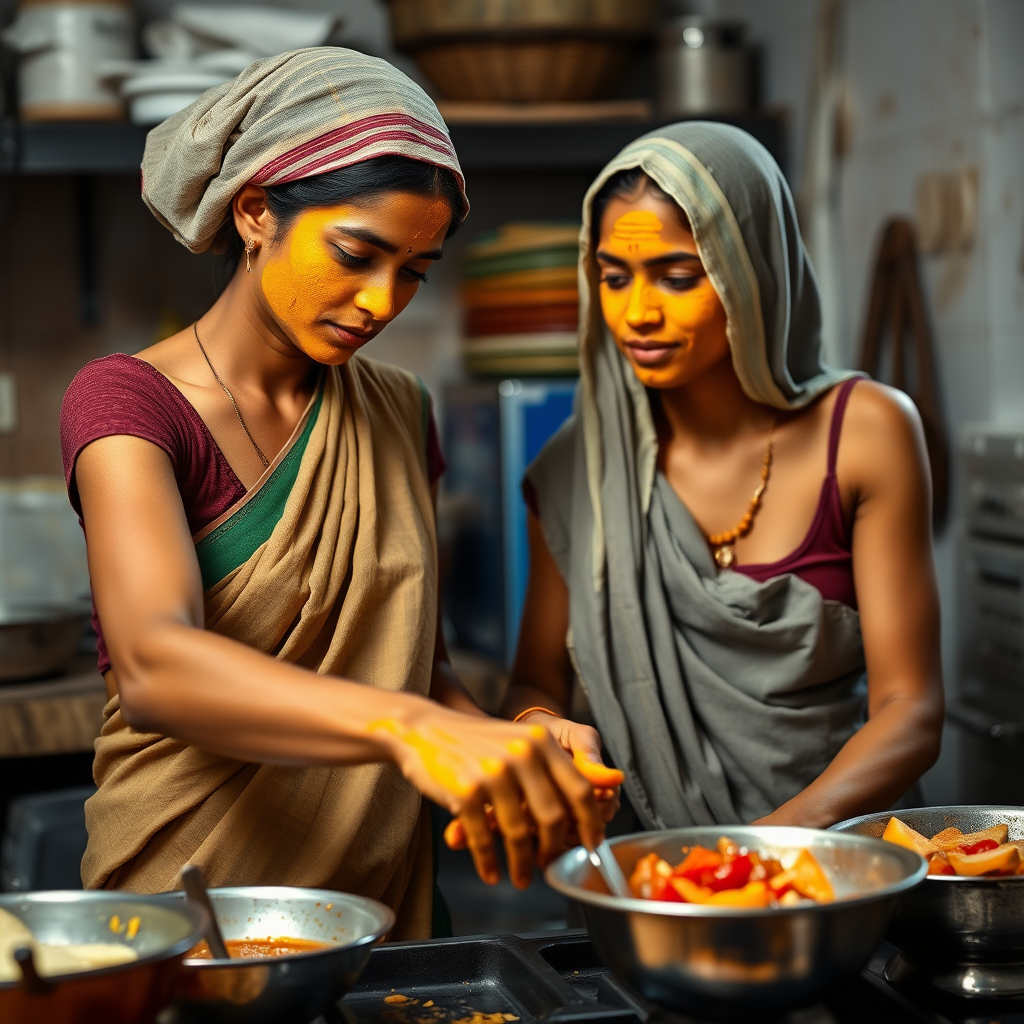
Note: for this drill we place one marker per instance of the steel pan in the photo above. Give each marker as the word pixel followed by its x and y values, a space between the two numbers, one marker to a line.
pixel 724 962
pixel 289 989
pixel 964 935
pixel 131 993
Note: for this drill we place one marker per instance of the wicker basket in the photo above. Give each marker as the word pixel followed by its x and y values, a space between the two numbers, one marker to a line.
pixel 534 51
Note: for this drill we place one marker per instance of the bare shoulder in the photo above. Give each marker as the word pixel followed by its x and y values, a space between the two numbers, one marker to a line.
pixel 882 436
pixel 175 357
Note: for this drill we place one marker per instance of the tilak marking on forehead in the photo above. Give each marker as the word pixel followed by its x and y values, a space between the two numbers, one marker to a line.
pixel 636 228
pixel 638 225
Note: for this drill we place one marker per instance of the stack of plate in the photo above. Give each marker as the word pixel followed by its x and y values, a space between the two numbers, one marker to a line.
pixel 521 299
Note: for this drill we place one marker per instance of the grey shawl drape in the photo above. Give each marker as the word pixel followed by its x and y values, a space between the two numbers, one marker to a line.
pixel 720 697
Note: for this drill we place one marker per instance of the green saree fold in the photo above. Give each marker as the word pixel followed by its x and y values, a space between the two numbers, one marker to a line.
pixel 232 539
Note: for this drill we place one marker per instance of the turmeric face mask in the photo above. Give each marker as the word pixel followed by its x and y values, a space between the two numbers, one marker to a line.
pixel 657 301
pixel 340 274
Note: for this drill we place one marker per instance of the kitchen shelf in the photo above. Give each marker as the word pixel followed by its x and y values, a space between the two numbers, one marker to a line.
pixel 116 148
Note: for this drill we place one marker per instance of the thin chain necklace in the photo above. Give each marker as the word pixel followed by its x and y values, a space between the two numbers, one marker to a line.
pixel 224 388
pixel 722 543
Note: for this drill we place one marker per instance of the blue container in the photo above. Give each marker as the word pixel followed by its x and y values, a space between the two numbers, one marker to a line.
pixel 492 432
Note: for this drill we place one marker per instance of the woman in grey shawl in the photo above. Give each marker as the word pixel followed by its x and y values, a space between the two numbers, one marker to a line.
pixel 738 663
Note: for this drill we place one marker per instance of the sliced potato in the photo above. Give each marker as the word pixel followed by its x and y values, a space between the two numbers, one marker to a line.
pixel 1003 859
pixel 939 865
pixel 947 837
pixel 997 833
pixel 903 835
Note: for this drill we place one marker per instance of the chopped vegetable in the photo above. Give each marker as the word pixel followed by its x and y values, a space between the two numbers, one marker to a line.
pixel 730 876
pixel 903 835
pixel 600 776
pixel 1001 860
pixel 989 852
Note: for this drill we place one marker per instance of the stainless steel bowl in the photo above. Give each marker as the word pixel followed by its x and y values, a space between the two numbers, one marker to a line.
pixel 132 993
pixel 965 935
pixel 721 962
pixel 285 989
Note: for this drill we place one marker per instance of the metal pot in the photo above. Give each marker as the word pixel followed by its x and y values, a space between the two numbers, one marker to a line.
pixel 132 993
pixel 964 935
pixel 62 44
pixel 289 989
pixel 704 67
pixel 38 641
pixel 713 961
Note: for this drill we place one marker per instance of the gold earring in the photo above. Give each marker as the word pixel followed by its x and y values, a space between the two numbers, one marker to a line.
pixel 250 248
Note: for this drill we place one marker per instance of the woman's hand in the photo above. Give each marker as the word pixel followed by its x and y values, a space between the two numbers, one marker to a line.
pixel 583 744
pixel 466 763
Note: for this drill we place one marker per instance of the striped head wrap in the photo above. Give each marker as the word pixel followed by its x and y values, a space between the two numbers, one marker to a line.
pixel 288 117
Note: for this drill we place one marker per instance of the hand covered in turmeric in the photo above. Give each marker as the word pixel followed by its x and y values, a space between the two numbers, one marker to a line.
pixel 515 773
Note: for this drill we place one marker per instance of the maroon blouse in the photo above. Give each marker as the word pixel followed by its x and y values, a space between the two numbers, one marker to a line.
pixel 120 394
pixel 824 557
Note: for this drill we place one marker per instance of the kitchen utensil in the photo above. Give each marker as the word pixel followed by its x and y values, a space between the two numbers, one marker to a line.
pixel 285 989
pixel 62 44
pixel 704 67
pixel 39 640
pixel 132 993
pixel 262 30
pixel 194 884
pixel 706 960
pixel 608 867
pixel 966 935
pixel 897 303
pixel 521 50
pixel 156 93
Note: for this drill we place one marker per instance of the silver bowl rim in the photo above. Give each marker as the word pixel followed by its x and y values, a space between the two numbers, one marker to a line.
pixel 386 914
pixel 195 915
pixel 942 808
pixel 661 909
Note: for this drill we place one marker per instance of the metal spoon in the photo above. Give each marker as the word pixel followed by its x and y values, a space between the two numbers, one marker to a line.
pixel 194 884
pixel 31 982
pixel 608 867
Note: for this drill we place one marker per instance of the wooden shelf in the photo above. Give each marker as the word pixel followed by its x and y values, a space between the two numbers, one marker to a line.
pixel 78 148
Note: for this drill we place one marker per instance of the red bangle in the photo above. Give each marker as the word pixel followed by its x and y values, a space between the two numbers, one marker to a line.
pixel 523 714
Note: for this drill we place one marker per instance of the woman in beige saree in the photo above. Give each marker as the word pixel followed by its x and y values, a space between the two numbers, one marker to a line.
pixel 258 506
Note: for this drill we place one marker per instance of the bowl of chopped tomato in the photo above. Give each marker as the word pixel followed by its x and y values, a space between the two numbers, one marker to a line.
pixel 963 930
pixel 724 921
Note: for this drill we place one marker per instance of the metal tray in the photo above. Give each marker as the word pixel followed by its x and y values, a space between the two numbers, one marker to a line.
pixel 558 978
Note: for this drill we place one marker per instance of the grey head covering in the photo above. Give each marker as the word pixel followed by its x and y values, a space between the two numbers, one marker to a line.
pixel 719 696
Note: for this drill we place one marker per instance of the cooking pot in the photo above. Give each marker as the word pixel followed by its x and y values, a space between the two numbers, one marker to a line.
pixel 62 45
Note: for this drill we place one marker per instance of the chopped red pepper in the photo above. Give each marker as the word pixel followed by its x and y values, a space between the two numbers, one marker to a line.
pixel 661 889
pixel 733 874
pixel 979 847
pixel 699 862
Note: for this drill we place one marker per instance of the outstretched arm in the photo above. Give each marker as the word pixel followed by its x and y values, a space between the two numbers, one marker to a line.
pixel 178 679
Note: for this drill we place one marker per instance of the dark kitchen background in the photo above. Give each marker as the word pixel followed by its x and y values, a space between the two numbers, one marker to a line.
pixel 877 110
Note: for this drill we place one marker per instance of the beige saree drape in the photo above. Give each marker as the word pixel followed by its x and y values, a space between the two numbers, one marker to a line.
pixel 328 562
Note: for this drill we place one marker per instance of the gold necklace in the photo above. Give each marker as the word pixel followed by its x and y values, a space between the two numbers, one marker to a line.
pixel 722 543
pixel 224 388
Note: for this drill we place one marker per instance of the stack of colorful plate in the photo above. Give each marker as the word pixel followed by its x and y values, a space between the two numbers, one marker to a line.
pixel 521 300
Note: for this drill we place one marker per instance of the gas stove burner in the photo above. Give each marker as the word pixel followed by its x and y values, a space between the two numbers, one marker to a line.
pixel 968 981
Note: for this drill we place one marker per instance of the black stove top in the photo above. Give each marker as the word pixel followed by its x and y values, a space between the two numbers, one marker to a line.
pixel 557 978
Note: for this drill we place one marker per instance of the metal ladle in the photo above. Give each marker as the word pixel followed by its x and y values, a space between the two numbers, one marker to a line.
pixel 608 868
pixel 194 884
